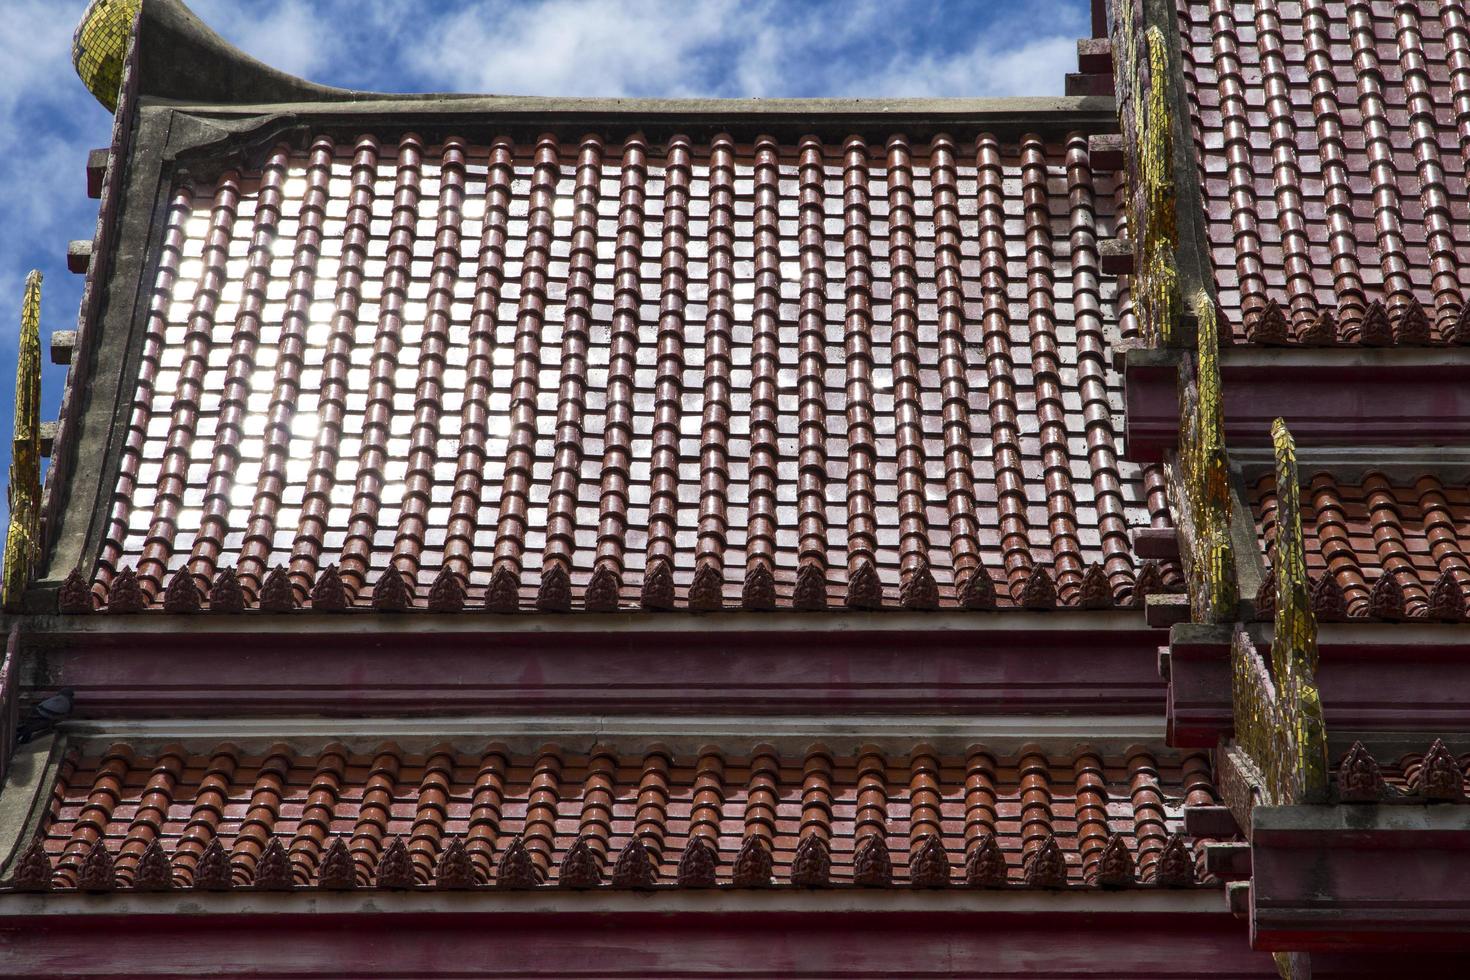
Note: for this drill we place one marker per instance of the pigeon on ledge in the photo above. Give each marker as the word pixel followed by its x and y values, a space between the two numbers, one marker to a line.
pixel 46 715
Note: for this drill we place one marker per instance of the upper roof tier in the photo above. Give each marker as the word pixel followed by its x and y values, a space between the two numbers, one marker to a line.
pixel 613 373
pixel 1333 142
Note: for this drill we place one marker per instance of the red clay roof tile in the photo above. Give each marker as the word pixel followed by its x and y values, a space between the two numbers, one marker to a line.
pixel 449 818
pixel 554 369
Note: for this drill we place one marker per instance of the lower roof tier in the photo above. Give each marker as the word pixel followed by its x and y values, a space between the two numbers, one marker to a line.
pixel 337 817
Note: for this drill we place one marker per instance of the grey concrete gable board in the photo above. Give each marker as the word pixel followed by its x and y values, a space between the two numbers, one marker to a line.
pixel 25 794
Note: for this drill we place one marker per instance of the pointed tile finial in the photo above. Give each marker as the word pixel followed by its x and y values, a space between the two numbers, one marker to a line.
pixel 276 593
pixel 977 590
pixel 1149 581
pixel 182 594
pixel 126 594
pixel 1176 864
pixel 74 597
pixel 929 865
pixel 919 591
pixel 1386 601
pixel 503 595
pixel 1329 603
pixel 1459 331
pixel 759 591
pixel 154 872
pixel 753 865
pixel 872 865
pixel 1039 591
pixel 1321 332
pixel 1439 777
pixel 1268 326
pixel 447 594
pixel 515 868
pixel 1359 779
pixel 985 865
pixel 864 589
pixel 634 866
pixel 33 870
pixel 225 594
pixel 1376 331
pixel 1115 867
pixel 698 865
pixel 554 594
pixel 658 586
pixel 580 867
pixel 1266 596
pixel 707 589
pixel 337 872
pixel 395 867
pixel 213 872
pixel 329 594
pixel 391 593
pixel 1045 867
pixel 273 871
pixel 812 865
pixel 604 589
pixel 1412 326
pixel 810 594
pixel 1096 592
pixel 96 872
pixel 1447 599
pixel 454 870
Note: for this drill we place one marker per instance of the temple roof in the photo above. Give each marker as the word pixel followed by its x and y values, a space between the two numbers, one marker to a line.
pixel 773 373
pixel 562 815
pixel 1333 143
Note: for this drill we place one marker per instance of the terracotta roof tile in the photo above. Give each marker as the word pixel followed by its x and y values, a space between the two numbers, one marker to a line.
pixel 612 374
pixel 450 818
pixel 1379 548
pixel 1332 147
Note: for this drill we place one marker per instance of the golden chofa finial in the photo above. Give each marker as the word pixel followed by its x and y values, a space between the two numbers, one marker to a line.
pixel 100 45
pixel 23 542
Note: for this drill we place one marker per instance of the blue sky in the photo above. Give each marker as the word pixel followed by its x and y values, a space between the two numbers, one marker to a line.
pixel 650 48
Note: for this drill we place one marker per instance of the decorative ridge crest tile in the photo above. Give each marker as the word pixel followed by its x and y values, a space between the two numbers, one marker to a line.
pixel 658 585
pixel 707 589
pixel 1321 332
pixel 1359 779
pixel 516 869
pixel 554 594
pixel 1266 596
pixel 455 870
pixel 1095 591
pixel 273 871
pixel 1439 777
pixel 391 593
pixel 978 590
pixel 872 865
pixel 812 865
pixel 919 591
pixel 1268 327
pixel 96 872
pixel 447 594
pixel 213 872
pixel 1459 331
pixel 1329 603
pixel 1149 581
pixel 503 595
pixel 1412 326
pixel 182 594
pixel 337 871
pixel 1176 864
pixel 1386 601
pixel 154 872
pixel 225 594
pixel 810 594
pixel 1115 868
pixel 864 590
pixel 126 594
pixel 698 865
pixel 634 866
pixel 1045 867
pixel 1376 331
pixel 395 867
pixel 1447 599
pixel 580 867
pixel 985 864
pixel 759 591
pixel 604 588
pixel 754 867
pixel 33 870
pixel 276 593
pixel 329 594
pixel 74 597
pixel 929 865
pixel 1038 591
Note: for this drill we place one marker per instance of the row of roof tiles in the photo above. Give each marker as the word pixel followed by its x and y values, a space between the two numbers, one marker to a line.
pixel 764 373
pixel 1378 549
pixel 341 819
pixel 1333 150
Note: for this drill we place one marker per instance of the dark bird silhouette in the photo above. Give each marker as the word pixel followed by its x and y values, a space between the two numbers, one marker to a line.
pixel 46 714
